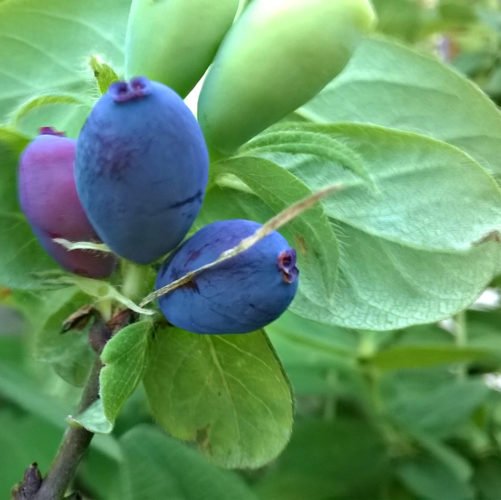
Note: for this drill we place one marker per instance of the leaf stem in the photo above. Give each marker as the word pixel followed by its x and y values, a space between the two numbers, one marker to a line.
pixel 135 280
pixel 75 442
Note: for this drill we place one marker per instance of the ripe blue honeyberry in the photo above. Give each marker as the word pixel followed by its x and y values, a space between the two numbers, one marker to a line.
pixel 141 169
pixel 49 199
pixel 239 295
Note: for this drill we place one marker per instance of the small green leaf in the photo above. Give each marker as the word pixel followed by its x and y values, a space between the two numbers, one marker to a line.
pixel 124 358
pixel 226 392
pixel 102 290
pixel 93 419
pixel 157 466
pixel 103 73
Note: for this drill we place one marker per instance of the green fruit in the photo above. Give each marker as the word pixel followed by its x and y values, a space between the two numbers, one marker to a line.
pixel 277 56
pixel 174 41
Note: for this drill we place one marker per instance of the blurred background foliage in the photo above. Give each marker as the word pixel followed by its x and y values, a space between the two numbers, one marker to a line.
pixel 401 415
pixel 463 33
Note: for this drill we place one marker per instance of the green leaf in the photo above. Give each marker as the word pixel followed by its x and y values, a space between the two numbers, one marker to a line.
pixel 429 228
pixel 431 479
pixel 416 356
pixel 310 233
pixel 31 63
pixel 102 291
pixel 448 456
pixel 124 358
pixel 428 97
pixel 103 73
pixel 487 478
pixel 226 392
pixel 430 196
pixel 338 459
pixel 93 419
pixel 158 466
pixel 69 353
pixel 432 402
pixel 322 146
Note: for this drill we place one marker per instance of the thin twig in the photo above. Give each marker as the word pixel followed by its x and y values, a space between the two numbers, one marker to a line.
pixel 75 442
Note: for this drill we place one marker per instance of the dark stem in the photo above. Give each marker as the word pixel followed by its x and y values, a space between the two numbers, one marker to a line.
pixel 75 442
pixel 76 439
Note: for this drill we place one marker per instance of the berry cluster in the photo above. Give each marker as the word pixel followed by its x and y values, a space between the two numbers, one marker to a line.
pixel 135 179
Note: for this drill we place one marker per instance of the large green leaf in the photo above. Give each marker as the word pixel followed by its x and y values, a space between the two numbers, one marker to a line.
pixel 226 392
pixel 157 466
pixel 124 358
pixel 427 97
pixel 416 248
pixel 46 46
pixel 429 195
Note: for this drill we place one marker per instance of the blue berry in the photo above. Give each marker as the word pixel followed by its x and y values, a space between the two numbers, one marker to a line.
pixel 239 295
pixel 141 169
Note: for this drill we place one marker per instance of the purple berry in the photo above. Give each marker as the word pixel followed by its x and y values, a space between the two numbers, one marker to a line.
pixel 49 199
pixel 141 169
pixel 239 295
